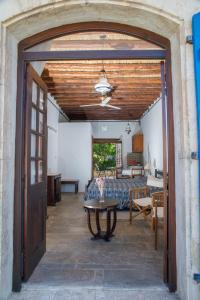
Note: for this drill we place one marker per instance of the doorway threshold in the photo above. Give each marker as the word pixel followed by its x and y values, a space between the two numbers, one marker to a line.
pixel 93 293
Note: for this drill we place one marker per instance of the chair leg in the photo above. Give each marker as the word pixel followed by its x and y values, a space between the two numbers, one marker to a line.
pixel 156 233
pixel 130 212
pixel 153 224
pixel 144 215
pixel 141 211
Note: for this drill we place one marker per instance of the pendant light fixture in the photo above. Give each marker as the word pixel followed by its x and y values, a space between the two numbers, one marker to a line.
pixel 103 87
pixel 128 128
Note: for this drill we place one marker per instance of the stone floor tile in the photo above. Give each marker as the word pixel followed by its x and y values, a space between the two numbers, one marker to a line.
pixel 118 295
pixel 75 267
pixel 160 295
pixel 137 277
pixel 64 277
pixel 33 295
pixel 75 295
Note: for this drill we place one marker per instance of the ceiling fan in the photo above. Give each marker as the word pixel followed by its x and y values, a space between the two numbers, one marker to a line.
pixel 104 103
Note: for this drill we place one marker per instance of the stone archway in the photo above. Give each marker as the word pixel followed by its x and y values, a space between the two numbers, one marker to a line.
pixel 170 219
pixel 40 18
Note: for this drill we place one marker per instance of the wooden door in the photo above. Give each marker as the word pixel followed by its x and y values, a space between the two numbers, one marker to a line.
pixel 35 172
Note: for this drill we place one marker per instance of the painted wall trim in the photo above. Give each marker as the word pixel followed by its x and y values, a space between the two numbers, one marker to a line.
pixel 196 49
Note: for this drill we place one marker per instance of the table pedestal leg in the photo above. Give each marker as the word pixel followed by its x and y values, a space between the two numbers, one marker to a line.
pixel 114 220
pixel 109 228
pixel 95 235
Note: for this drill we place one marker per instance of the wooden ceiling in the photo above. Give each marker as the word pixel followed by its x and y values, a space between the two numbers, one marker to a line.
pixel 137 83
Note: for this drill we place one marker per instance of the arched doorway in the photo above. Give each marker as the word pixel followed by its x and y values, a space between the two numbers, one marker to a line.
pixel 24 57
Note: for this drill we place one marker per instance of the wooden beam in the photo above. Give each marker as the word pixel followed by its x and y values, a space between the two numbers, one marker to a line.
pixel 69 93
pixel 110 75
pixel 90 86
pixel 147 80
pixel 98 97
pixel 95 71
pixel 105 117
pixel 90 91
pixel 121 103
pixel 77 66
pixel 106 141
pixel 106 62
pixel 93 55
pixel 124 106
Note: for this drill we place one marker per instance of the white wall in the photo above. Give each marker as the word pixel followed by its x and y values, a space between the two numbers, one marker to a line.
pixel 75 152
pixel 52 126
pixel 116 130
pixel 151 125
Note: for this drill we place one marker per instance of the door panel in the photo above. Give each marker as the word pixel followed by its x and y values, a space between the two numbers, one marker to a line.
pixel 35 172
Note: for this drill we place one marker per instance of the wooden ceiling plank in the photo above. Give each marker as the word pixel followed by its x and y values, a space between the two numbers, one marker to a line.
pixel 98 68
pixel 114 97
pixel 112 74
pixel 146 80
pixel 68 93
pixel 90 91
pixel 72 84
pixel 132 86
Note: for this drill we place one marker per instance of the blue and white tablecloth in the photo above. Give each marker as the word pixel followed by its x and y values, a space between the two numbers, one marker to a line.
pixel 117 189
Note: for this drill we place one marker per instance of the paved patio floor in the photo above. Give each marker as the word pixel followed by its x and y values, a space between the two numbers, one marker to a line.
pixel 75 267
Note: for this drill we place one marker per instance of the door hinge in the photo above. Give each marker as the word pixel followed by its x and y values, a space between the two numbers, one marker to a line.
pixel 189 39
pixel 195 155
pixel 196 277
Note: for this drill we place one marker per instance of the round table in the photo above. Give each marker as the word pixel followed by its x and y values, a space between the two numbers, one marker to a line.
pixel 95 206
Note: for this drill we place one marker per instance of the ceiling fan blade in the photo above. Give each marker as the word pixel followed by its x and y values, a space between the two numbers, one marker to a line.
pixel 106 100
pixel 88 105
pixel 111 106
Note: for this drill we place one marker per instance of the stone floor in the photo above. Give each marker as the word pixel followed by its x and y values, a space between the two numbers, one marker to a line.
pixel 75 267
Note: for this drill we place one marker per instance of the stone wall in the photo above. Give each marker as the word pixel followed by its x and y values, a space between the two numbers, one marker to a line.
pixel 172 19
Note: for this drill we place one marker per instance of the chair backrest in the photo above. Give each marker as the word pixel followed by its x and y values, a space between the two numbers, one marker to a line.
pixel 118 172
pixel 134 157
pixel 158 199
pixel 139 192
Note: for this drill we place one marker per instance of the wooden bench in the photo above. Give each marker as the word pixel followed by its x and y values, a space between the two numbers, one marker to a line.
pixel 71 181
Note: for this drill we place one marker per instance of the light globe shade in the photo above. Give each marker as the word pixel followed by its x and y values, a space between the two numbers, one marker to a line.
pixel 103 87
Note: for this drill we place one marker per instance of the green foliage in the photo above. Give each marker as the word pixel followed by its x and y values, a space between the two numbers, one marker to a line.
pixel 104 156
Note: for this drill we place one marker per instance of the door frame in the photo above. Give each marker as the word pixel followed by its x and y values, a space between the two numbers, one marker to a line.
pixel 25 57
